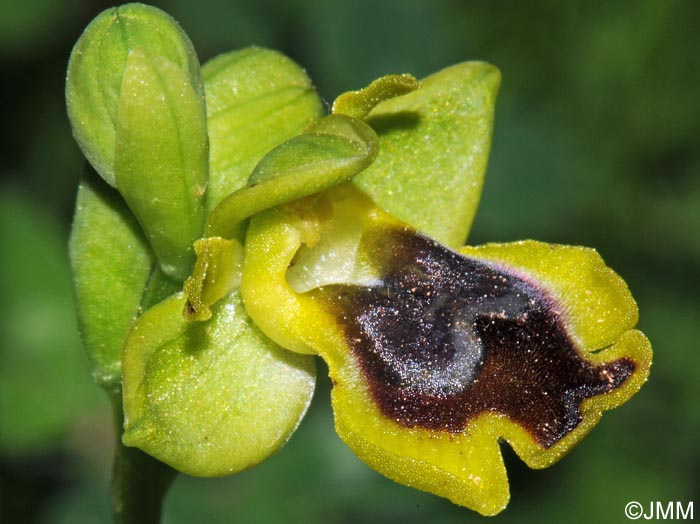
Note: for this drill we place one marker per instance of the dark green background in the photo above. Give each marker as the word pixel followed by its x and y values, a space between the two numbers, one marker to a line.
pixel 597 142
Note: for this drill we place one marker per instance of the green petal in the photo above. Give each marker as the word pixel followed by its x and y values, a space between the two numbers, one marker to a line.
pixel 434 147
pixel 111 263
pixel 217 272
pixel 96 68
pixel 333 150
pixel 358 104
pixel 161 157
pixel 210 398
pixel 256 99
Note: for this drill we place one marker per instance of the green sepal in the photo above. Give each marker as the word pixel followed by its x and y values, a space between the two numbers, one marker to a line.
pixel 161 157
pixel 434 147
pixel 256 100
pixel 111 262
pixel 333 150
pixel 210 398
pixel 96 69
pixel 216 273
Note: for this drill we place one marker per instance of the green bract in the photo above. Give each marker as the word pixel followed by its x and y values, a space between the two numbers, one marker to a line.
pixel 111 262
pixel 248 232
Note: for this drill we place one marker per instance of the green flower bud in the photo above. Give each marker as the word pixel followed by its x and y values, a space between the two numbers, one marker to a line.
pixel 96 69
pixel 162 157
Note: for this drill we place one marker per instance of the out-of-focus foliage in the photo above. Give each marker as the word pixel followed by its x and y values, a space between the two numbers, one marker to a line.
pixel 596 143
pixel 41 386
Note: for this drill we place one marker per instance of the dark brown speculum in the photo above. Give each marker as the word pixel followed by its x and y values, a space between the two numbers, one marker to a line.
pixel 447 337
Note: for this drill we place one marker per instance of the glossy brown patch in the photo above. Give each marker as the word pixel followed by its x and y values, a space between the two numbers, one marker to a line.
pixel 446 337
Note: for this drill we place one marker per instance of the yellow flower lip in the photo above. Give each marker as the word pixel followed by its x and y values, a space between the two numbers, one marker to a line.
pixel 446 337
pixel 437 356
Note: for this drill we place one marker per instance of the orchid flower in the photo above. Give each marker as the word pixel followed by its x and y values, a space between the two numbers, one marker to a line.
pixel 235 232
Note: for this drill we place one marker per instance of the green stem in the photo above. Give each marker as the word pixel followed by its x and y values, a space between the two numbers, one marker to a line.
pixel 139 482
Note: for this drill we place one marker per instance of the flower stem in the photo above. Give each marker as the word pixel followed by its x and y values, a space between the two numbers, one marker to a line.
pixel 139 482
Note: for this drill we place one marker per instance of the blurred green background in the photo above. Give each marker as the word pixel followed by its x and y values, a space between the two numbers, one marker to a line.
pixel 597 142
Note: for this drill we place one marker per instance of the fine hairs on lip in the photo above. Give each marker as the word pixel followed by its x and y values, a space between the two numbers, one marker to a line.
pixel 446 337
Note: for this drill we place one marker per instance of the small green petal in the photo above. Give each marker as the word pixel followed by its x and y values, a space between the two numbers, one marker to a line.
pixel 217 272
pixel 256 100
pixel 333 150
pixel 210 398
pixel 96 69
pixel 358 104
pixel 434 147
pixel 161 157
pixel 111 263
